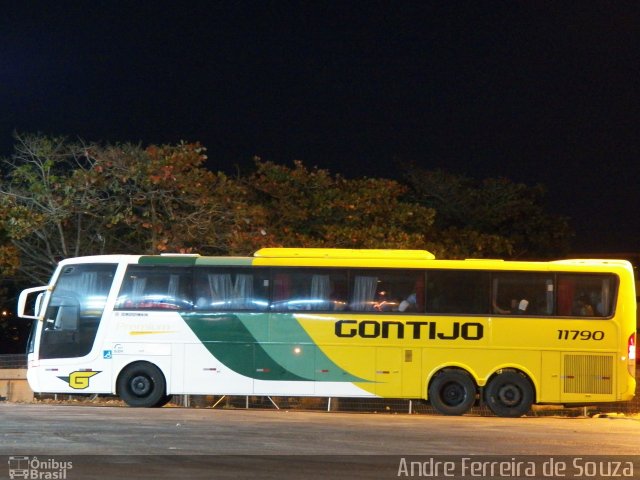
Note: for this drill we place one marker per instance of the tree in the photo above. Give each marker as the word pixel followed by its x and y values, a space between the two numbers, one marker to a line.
pixel 39 203
pixel 162 199
pixel 312 208
pixel 491 217
pixel 61 199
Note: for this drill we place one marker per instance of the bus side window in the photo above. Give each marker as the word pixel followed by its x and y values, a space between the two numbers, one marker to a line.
pixel 585 295
pixel 522 293
pixel 457 291
pixel 224 288
pixel 299 289
pixel 387 290
pixel 155 288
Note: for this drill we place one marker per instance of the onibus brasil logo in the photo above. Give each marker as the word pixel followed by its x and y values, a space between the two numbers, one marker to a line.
pixel 35 468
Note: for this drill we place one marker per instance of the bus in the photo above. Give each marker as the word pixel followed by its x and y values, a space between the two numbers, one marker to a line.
pixel 336 323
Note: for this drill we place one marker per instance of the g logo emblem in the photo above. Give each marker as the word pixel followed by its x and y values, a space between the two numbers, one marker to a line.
pixel 79 380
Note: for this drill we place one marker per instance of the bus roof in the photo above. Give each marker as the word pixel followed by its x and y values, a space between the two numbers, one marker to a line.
pixel 327 257
pixel 344 253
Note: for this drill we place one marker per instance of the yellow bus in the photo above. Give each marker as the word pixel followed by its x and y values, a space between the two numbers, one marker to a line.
pixel 337 323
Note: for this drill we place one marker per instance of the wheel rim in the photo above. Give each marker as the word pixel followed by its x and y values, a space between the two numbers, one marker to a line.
pixel 141 385
pixel 453 394
pixel 510 395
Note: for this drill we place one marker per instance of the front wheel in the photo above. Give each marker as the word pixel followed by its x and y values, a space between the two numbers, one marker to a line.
pixel 142 385
pixel 509 394
pixel 452 392
pixel 164 400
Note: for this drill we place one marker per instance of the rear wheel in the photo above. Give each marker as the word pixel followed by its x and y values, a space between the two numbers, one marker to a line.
pixel 452 392
pixel 509 394
pixel 142 384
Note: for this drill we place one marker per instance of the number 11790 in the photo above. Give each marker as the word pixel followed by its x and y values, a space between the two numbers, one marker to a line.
pixel 580 335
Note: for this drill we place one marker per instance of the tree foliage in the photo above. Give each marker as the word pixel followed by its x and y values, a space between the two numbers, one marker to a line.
pixel 491 217
pixel 163 199
pixel 62 199
pixel 40 213
pixel 312 208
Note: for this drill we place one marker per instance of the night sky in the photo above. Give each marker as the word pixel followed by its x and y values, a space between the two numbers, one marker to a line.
pixel 539 92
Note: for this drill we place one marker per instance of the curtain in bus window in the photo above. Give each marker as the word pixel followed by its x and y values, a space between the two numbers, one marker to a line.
pixel 364 292
pixel 220 287
pixel 549 298
pixel 495 308
pixel 243 289
pixel 566 292
pixel 174 283
pixel 86 282
pixel 137 289
pixel 90 282
pixel 604 307
pixel 420 296
pixel 320 292
pixel 281 287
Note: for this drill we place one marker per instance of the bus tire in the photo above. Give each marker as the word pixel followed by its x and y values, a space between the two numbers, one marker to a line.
pixel 452 392
pixel 142 384
pixel 509 394
pixel 163 401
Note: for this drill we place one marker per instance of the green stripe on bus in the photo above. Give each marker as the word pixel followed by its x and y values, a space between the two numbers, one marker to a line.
pixel 246 344
pixel 189 260
pixel 224 261
pixel 175 260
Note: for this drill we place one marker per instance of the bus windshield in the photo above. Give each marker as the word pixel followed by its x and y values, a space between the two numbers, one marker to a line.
pixel 74 311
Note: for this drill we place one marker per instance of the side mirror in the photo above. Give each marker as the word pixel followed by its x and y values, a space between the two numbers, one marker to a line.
pixel 24 298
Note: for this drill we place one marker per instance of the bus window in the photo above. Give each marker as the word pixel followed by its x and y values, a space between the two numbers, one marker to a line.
pixel 309 289
pixel 153 288
pixel 75 309
pixel 387 291
pixel 458 291
pixel 585 295
pixel 522 293
pixel 231 288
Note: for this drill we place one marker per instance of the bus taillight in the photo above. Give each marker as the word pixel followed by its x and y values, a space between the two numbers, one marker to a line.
pixel 631 350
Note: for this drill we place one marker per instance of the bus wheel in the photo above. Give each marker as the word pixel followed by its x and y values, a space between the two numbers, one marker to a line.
pixel 164 400
pixel 509 394
pixel 452 392
pixel 142 384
